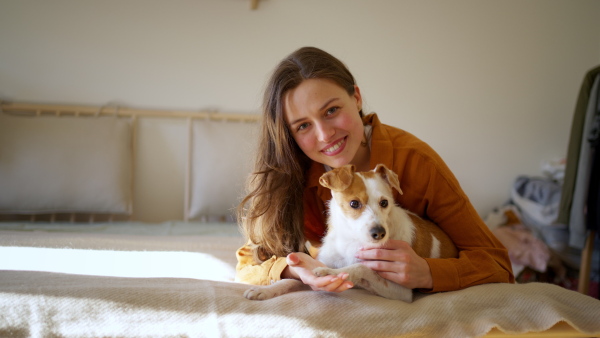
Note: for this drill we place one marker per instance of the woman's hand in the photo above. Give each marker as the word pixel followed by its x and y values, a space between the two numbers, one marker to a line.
pixel 301 266
pixel 399 263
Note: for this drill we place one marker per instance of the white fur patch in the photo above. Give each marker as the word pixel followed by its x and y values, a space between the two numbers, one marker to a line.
pixel 435 247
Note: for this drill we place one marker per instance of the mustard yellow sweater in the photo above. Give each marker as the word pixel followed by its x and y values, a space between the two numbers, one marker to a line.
pixel 431 191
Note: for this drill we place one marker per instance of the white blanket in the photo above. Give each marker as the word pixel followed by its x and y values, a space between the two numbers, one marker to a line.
pixel 41 303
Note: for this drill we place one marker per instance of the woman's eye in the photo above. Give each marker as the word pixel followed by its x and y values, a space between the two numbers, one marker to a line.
pixel 332 110
pixel 383 203
pixel 354 204
pixel 302 126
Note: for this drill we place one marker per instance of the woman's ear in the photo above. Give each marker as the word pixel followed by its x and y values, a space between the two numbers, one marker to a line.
pixel 358 97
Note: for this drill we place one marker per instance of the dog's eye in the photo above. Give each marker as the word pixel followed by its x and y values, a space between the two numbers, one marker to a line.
pixel 354 204
pixel 383 203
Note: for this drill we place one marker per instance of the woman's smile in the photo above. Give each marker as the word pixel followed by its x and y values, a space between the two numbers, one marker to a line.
pixel 336 148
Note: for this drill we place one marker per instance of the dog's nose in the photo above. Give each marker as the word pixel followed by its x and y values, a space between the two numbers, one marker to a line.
pixel 377 232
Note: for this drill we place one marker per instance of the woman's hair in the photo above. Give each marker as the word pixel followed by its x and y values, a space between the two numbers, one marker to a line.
pixel 272 213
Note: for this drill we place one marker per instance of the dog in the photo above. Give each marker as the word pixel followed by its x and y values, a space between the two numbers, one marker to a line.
pixel 363 213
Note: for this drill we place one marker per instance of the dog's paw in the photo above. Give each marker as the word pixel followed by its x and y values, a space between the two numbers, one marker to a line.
pixel 258 293
pixel 323 271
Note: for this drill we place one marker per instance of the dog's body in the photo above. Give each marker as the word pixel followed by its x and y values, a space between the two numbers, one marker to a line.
pixel 363 214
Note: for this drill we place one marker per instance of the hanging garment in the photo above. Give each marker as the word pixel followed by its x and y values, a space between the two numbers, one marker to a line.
pixel 593 198
pixel 575 145
pixel 577 217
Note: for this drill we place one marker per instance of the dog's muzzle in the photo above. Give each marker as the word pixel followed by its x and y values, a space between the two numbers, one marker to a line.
pixel 377 232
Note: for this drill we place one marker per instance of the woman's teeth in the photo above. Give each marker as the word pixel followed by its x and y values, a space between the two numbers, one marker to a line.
pixel 335 147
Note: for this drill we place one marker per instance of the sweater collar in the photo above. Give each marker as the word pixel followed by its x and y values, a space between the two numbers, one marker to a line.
pixel 382 150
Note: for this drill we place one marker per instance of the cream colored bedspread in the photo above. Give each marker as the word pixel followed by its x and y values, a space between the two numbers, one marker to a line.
pixel 45 304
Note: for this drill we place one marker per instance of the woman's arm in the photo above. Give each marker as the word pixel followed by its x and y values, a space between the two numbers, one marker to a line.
pixel 481 256
pixel 478 263
pixel 431 191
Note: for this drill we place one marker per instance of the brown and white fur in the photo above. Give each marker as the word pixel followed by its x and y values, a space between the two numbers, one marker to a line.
pixel 362 213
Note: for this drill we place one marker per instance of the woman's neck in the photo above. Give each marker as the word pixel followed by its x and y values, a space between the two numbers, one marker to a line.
pixel 362 158
pixel 363 155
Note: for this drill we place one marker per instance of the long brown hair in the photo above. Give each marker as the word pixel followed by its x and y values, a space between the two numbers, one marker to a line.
pixel 272 214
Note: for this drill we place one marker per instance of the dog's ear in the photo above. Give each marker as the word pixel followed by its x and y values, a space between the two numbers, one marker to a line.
pixel 338 179
pixel 389 176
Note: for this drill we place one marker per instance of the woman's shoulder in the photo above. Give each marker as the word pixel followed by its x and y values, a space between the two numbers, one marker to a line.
pixel 399 148
pixel 396 138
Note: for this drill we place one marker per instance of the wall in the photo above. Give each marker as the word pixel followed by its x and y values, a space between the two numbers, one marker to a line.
pixel 491 85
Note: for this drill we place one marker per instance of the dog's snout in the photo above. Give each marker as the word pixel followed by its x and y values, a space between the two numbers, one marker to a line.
pixel 377 232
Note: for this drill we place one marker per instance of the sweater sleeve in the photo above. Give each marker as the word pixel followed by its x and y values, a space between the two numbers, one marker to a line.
pixel 482 258
pixel 248 270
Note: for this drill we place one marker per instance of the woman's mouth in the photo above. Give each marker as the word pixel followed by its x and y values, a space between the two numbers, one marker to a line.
pixel 336 148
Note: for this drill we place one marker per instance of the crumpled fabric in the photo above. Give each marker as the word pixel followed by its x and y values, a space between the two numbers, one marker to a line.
pixel 524 249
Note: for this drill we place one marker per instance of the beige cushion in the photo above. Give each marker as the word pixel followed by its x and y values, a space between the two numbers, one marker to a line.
pixel 221 162
pixel 65 164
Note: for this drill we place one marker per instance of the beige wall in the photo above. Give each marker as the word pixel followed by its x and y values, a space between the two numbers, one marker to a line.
pixel 491 85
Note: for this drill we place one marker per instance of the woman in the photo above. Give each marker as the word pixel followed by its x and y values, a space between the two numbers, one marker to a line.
pixel 312 122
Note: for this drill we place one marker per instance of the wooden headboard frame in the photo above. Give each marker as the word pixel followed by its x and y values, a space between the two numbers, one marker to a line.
pixel 32 109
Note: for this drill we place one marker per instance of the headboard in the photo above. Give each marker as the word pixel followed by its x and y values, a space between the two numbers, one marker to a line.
pixel 74 163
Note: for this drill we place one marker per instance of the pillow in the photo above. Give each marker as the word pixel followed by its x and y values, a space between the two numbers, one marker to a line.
pixel 222 159
pixel 65 164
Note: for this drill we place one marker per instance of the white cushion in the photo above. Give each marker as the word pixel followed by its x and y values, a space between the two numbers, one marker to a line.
pixel 65 164
pixel 221 162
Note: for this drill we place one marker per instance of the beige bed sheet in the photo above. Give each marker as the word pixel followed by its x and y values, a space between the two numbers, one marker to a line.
pixel 41 303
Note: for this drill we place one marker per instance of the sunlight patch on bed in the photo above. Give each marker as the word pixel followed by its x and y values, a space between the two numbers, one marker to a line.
pixel 104 318
pixel 138 264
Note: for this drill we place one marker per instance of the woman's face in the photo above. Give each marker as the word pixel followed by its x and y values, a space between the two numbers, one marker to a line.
pixel 325 122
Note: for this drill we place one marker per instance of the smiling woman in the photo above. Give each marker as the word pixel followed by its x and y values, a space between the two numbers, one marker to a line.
pixel 313 122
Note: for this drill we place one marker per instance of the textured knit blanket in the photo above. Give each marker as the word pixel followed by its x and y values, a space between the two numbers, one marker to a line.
pixel 48 304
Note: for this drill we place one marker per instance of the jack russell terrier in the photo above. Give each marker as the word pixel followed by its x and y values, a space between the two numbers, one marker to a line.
pixel 362 213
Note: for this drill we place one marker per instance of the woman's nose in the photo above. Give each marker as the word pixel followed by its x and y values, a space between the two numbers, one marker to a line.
pixel 325 132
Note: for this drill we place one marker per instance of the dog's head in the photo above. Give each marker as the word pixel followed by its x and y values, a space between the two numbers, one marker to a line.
pixel 362 200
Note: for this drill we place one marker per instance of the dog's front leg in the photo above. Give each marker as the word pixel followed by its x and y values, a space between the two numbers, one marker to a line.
pixel 262 292
pixel 368 279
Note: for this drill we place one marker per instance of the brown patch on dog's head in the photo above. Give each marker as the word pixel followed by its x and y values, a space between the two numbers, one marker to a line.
pixel 348 190
pixel 338 179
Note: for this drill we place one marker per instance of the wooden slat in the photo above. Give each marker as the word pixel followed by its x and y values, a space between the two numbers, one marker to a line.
pixel 75 110
pixel 188 171
pixel 586 263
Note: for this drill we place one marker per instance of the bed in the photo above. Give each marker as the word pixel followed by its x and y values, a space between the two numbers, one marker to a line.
pixel 75 263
